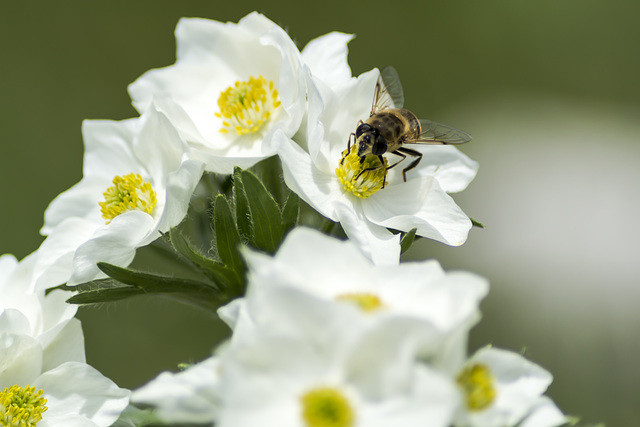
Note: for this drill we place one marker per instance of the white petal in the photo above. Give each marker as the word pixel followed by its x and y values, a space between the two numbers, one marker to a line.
pixel 77 388
pixel 544 414
pixel 7 264
pixel 108 150
pixel 190 396
pixel 376 242
pixel 55 255
pixel 67 345
pixel 114 243
pixel 301 176
pixel 179 187
pixel 420 204
pixel 81 200
pixel 327 58
pixel 20 358
pixel 158 145
pixel 430 401
pixel 453 170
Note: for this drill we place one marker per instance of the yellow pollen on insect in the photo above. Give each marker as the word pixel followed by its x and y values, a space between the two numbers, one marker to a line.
pixel 247 106
pixel 326 407
pixel 21 407
pixel 361 184
pixel 477 383
pixel 366 302
pixel 129 192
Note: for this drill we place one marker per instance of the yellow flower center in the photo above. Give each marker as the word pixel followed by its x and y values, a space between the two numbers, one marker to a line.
pixel 247 106
pixel 366 302
pixel 326 407
pixel 21 407
pixel 129 192
pixel 477 383
pixel 362 178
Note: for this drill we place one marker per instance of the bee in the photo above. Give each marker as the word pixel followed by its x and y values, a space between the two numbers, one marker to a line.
pixel 390 127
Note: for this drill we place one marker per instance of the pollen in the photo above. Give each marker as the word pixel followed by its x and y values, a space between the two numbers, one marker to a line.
pixel 326 407
pixel 129 192
pixel 477 383
pixel 21 407
pixel 365 301
pixel 354 176
pixel 246 107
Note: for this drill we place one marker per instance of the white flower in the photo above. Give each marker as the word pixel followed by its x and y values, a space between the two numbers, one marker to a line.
pixel 37 333
pixel 422 202
pixel 232 85
pixel 299 364
pixel 190 396
pixel 137 183
pixel 70 395
pixel 415 301
pixel 42 357
pixel 500 388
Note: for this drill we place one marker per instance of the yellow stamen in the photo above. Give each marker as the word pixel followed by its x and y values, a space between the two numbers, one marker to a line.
pixel 477 383
pixel 247 106
pixel 129 192
pixel 326 407
pixel 366 302
pixel 361 184
pixel 21 407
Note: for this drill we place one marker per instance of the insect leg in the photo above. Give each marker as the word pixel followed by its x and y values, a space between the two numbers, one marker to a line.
pixel 413 164
pixel 384 179
pixel 351 135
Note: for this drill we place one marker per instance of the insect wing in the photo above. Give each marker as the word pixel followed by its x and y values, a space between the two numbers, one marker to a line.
pixel 437 133
pixel 388 91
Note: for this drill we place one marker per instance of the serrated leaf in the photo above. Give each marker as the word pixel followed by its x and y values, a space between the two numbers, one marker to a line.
pixel 153 283
pixel 407 240
pixel 227 237
pixel 265 214
pixel 291 212
pixel 242 205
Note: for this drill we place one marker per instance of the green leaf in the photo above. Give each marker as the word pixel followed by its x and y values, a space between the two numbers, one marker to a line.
pixel 124 283
pixel 265 214
pixel 153 283
pixel 291 212
pixel 101 290
pixel 269 172
pixel 476 223
pixel 407 240
pixel 242 206
pixel 227 237
pixel 218 273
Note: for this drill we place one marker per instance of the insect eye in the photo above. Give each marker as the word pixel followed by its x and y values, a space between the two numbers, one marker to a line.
pixel 364 127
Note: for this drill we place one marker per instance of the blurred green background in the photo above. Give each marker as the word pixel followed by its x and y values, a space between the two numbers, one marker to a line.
pixel 549 89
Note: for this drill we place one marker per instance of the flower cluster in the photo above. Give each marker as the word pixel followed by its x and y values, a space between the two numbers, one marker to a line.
pixel 328 330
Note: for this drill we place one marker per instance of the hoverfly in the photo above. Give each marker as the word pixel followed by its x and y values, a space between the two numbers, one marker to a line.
pixel 390 127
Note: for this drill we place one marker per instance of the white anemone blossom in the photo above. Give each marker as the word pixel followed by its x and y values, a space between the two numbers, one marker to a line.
pixel 231 87
pixel 43 378
pixel 416 304
pixel 37 333
pixel 501 388
pixel 301 364
pixel 365 210
pixel 72 394
pixel 137 183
